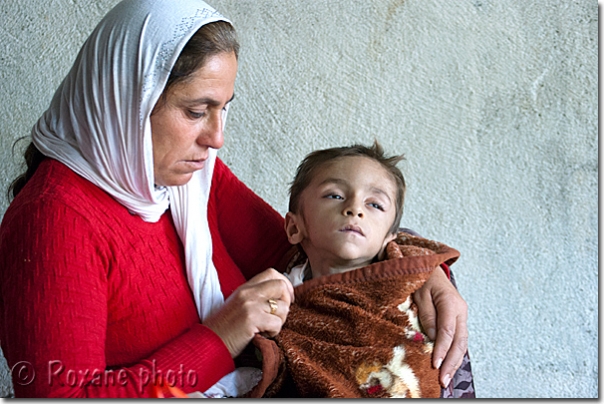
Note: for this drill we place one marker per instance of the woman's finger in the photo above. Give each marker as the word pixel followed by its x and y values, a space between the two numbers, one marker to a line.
pixel 426 311
pixel 271 274
pixel 277 307
pixel 260 305
pixel 456 352
pixel 443 314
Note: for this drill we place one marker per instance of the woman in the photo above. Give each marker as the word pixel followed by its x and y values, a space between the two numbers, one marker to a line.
pixel 131 255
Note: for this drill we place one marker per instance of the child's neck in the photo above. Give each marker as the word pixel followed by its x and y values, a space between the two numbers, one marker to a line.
pixel 321 268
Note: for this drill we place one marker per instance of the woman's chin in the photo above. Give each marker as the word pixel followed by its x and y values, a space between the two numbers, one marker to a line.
pixel 177 180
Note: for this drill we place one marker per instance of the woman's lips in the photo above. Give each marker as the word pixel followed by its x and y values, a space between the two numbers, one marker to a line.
pixel 195 164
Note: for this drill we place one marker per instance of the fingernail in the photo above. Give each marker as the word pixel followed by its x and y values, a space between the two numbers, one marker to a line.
pixel 447 380
pixel 439 362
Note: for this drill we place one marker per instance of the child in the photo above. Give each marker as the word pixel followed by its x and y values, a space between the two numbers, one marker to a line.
pixel 353 329
pixel 345 206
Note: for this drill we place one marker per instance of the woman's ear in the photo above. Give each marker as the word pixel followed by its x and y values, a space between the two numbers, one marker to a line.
pixel 294 228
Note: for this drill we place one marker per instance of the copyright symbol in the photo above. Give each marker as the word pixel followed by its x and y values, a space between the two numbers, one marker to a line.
pixel 23 373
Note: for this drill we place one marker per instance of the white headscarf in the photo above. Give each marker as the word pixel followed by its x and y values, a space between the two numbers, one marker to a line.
pixel 98 124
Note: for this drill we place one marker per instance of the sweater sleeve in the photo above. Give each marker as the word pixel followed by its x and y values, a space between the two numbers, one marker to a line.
pixel 54 311
pixel 251 230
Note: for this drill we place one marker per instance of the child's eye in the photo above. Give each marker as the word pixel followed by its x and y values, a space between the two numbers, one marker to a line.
pixel 376 206
pixel 333 196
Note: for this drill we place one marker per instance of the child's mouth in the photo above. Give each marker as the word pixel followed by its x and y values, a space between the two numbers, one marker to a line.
pixel 353 229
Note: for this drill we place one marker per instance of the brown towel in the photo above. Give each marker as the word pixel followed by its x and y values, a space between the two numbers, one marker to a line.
pixel 356 334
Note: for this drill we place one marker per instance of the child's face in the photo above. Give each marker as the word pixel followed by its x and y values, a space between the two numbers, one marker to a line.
pixel 347 212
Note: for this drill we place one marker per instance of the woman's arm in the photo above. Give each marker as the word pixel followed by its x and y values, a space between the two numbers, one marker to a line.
pixel 443 314
pixel 72 326
pixel 251 230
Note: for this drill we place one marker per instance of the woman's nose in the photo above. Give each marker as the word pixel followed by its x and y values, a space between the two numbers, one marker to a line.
pixel 213 134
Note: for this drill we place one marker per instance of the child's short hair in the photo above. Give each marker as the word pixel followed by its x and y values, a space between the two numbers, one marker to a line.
pixel 317 158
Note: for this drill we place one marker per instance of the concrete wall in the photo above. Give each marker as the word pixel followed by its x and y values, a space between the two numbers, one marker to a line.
pixel 493 103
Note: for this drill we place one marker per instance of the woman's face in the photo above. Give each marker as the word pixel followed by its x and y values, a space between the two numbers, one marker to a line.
pixel 188 120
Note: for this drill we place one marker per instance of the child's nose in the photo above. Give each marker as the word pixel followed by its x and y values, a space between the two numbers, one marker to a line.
pixel 353 210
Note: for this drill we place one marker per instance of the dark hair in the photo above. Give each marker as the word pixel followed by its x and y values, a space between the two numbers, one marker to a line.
pixel 319 158
pixel 33 157
pixel 209 40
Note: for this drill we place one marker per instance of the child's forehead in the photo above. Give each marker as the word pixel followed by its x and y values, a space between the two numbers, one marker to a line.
pixel 350 164
pixel 353 167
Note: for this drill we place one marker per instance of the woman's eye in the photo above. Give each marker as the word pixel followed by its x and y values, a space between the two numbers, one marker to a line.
pixel 196 115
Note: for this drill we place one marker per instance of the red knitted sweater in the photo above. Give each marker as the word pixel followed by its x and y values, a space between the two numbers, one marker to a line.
pixel 94 301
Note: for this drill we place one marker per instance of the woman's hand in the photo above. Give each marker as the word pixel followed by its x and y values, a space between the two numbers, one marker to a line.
pixel 443 314
pixel 248 311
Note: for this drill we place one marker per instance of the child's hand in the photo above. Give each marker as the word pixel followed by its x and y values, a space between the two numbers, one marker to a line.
pixel 443 314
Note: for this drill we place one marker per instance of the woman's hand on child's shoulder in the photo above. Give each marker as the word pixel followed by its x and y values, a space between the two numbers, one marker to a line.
pixel 443 313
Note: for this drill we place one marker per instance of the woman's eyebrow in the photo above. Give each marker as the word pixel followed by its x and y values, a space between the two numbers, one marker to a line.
pixel 210 101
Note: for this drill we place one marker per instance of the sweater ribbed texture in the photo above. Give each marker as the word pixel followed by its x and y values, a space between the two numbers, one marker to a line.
pixel 97 300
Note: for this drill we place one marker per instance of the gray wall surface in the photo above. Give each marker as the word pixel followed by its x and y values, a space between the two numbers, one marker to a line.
pixel 494 104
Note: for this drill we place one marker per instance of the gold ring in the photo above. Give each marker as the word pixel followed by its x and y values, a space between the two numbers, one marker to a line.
pixel 273 304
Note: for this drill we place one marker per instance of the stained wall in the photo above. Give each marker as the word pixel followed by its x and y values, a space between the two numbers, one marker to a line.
pixel 494 105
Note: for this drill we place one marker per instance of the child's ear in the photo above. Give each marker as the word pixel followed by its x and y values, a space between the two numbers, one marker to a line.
pixel 293 229
pixel 389 237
